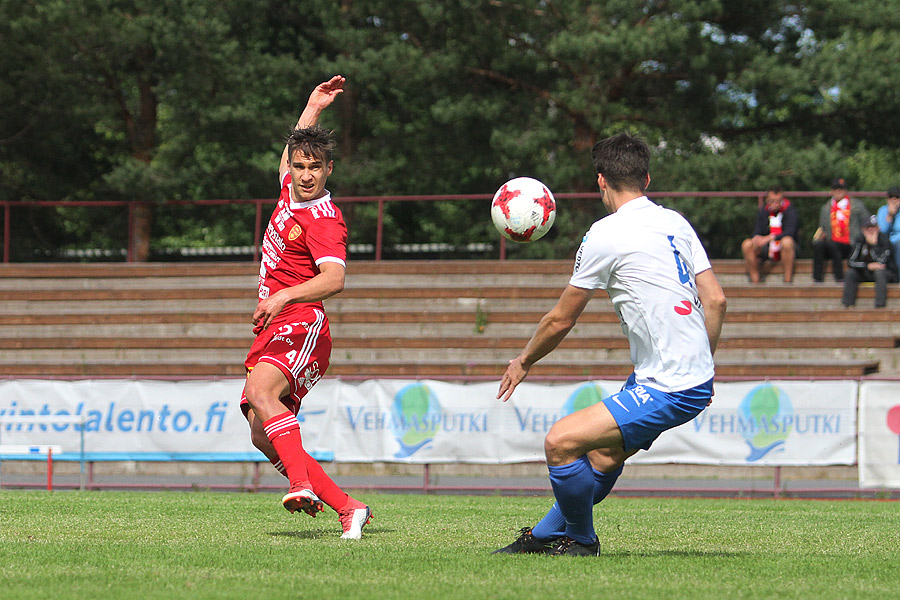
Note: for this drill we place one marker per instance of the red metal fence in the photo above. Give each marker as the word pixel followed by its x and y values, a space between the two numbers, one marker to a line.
pixel 381 201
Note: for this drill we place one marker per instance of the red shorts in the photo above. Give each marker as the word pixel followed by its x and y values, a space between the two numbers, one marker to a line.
pixel 301 350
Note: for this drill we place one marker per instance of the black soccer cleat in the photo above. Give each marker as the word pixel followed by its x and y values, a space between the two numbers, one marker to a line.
pixel 526 543
pixel 566 546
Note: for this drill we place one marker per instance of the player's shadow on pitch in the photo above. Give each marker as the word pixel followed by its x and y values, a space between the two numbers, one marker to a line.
pixel 313 535
pixel 675 554
pixel 306 535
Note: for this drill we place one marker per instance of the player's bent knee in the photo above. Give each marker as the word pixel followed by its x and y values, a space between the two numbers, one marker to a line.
pixel 560 448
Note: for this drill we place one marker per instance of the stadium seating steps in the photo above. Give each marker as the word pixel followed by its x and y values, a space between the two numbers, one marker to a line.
pixel 428 319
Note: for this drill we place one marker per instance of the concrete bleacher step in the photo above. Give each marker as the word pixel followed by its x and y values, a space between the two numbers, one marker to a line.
pixel 884 320
pixel 616 370
pixel 139 351
pixel 491 325
pixel 90 369
pixel 201 343
pixel 419 287
pixel 486 299
pixel 412 318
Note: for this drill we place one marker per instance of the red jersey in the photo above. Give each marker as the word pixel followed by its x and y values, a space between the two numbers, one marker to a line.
pixel 300 237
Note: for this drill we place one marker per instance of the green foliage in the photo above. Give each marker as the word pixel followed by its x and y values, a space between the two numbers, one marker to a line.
pixel 215 545
pixel 187 100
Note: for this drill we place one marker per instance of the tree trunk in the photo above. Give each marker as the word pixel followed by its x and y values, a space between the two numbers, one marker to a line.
pixel 143 140
pixel 141 225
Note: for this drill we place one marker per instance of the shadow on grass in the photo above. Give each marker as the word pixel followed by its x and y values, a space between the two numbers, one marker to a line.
pixel 675 553
pixel 314 535
pixel 307 535
pixel 640 555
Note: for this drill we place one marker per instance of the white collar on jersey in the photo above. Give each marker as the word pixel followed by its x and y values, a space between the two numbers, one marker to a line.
pixel 635 203
pixel 295 205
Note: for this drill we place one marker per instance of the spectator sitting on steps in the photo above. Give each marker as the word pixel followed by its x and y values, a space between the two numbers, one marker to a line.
pixel 872 259
pixel 774 237
pixel 840 226
pixel 889 223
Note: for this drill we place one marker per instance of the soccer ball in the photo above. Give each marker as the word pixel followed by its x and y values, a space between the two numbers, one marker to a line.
pixel 523 209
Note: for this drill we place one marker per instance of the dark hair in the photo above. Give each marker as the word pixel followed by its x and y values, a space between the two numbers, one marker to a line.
pixel 775 189
pixel 312 141
pixel 624 160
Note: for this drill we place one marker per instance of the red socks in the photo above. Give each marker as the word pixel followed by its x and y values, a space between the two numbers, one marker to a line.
pixel 326 489
pixel 299 467
pixel 284 432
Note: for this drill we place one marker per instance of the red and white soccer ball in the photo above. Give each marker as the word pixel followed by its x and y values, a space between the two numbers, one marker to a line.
pixel 523 209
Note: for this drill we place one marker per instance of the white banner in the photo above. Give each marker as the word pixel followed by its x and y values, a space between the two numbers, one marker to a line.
pixel 131 420
pixel 776 423
pixel 879 435
pixel 434 421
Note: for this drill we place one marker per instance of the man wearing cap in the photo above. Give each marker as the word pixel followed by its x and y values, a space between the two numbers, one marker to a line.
pixel 840 227
pixel 889 223
pixel 872 259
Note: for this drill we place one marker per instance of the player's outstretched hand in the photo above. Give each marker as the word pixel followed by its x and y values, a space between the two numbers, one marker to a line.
pixel 515 373
pixel 327 91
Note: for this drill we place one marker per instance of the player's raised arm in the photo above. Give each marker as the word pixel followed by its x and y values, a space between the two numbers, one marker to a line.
pixel 712 297
pixel 320 99
pixel 549 333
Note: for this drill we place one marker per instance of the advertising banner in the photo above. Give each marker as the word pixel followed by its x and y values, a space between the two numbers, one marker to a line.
pixel 773 423
pixel 131 420
pixel 436 422
pixel 879 435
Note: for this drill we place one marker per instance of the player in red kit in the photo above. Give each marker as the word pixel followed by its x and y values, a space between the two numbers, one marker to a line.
pixel 303 262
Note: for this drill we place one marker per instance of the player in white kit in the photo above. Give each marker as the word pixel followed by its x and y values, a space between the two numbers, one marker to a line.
pixel 653 267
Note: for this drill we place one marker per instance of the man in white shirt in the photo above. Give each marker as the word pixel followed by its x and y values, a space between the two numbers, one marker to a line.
pixel 671 307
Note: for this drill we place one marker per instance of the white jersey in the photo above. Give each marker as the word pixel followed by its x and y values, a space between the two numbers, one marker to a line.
pixel 646 258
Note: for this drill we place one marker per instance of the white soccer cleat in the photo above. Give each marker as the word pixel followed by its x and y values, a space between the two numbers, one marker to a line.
pixel 353 520
pixel 303 499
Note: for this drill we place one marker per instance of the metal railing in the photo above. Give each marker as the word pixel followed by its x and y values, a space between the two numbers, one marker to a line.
pixel 47 450
pixel 380 201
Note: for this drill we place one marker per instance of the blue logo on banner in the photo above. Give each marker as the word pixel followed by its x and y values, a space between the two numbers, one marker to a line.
pixel 416 418
pixel 770 411
pixel 585 395
pixel 302 414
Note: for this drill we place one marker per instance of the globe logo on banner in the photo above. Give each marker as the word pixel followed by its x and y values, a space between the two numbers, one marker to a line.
pixel 416 418
pixel 770 415
pixel 584 396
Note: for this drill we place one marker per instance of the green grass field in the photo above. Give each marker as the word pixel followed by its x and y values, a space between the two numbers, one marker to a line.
pixel 218 545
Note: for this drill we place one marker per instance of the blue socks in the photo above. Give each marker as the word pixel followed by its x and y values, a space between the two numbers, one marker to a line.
pixel 573 486
pixel 553 525
pixel 604 482
pixel 571 480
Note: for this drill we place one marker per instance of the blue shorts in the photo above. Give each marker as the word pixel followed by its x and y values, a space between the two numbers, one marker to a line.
pixel 642 413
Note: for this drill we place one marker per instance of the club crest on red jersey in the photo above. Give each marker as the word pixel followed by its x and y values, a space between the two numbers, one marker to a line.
pixel 294 233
